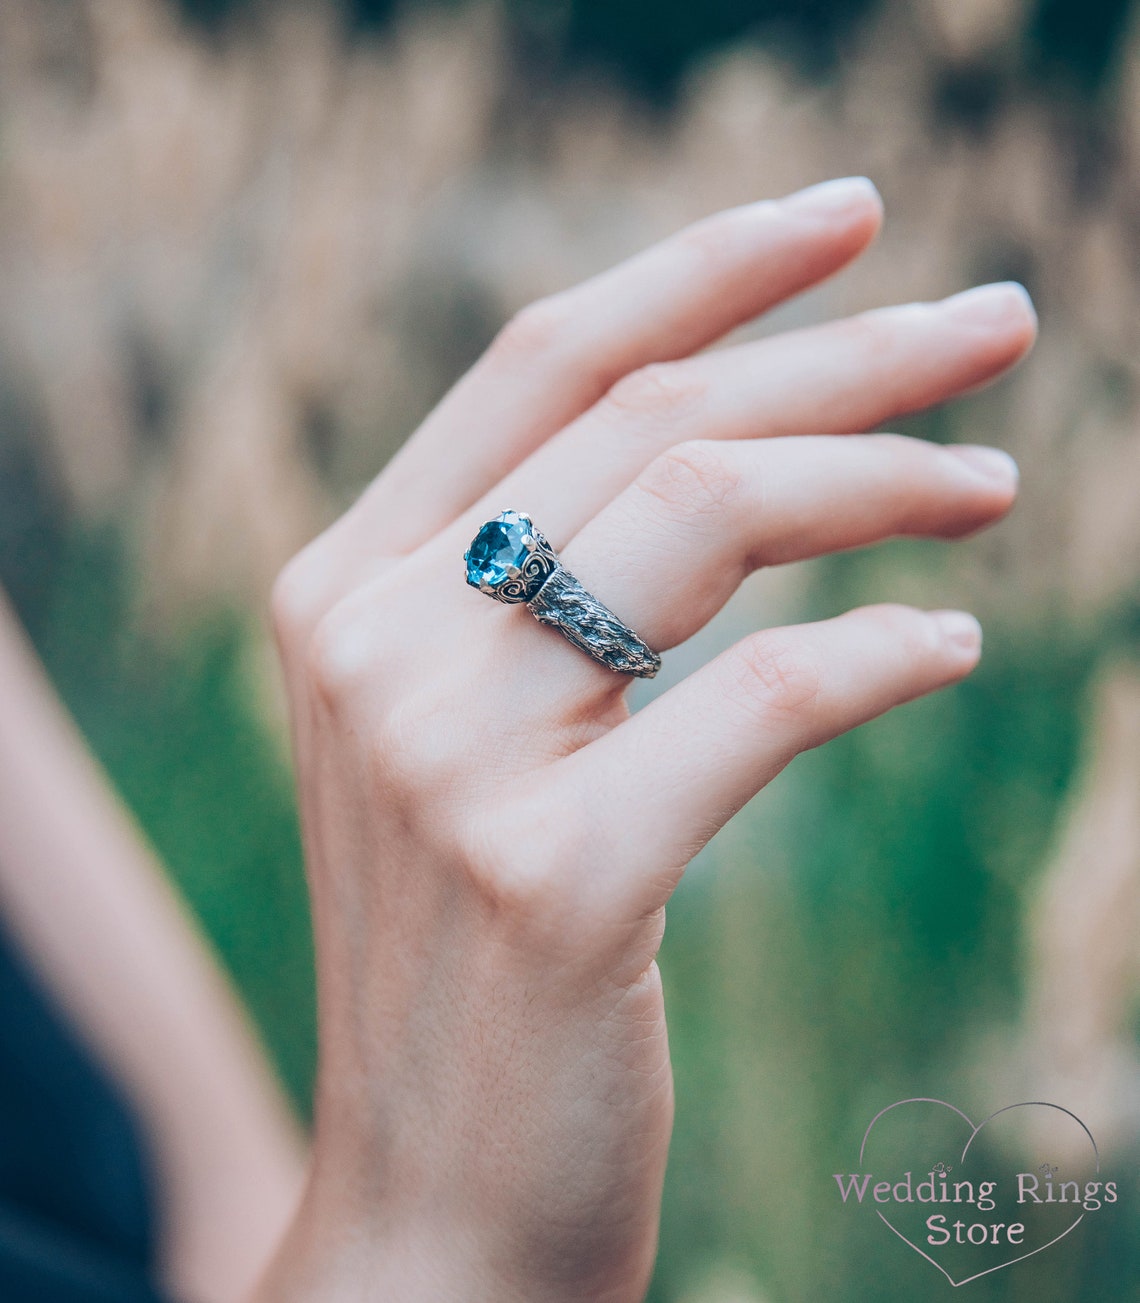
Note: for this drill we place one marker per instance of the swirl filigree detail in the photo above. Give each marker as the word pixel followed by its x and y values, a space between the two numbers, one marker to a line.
pixel 532 574
pixel 510 545
pixel 539 566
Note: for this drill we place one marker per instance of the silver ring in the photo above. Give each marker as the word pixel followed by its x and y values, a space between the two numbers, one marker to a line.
pixel 512 562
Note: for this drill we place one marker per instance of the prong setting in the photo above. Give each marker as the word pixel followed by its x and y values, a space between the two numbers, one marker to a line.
pixel 512 562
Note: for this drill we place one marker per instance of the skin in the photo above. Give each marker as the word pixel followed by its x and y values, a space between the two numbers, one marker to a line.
pixel 86 903
pixel 491 838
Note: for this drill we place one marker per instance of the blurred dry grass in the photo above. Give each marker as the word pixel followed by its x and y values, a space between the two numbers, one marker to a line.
pixel 236 272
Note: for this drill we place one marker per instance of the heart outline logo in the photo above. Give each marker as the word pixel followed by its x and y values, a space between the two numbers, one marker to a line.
pixel 974 1130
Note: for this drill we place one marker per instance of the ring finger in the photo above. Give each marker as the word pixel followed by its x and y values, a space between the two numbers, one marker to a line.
pixel 705 514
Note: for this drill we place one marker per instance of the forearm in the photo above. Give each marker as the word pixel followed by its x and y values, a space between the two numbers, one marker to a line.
pixel 98 920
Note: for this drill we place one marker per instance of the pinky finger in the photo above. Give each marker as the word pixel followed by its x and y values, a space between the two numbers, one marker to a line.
pixel 667 779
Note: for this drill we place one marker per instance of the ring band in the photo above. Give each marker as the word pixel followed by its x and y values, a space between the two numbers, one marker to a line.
pixel 512 562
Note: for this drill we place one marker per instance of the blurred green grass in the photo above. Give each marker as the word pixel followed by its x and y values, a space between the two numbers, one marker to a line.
pixel 174 721
pixel 844 943
pixel 841 943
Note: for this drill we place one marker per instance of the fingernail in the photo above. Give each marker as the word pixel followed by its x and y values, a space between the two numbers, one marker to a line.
pixel 989 305
pixel 832 198
pixel 959 628
pixel 991 463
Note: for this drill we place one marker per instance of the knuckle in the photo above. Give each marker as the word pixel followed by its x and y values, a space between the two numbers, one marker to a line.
pixel 663 392
pixel 899 449
pixel 779 679
pixel 415 749
pixel 534 331
pixel 906 629
pixel 709 242
pixel 412 762
pixel 903 466
pixel 692 479
pixel 337 657
pixel 528 883
pixel 513 888
pixel 294 602
pixel 883 327
pixel 865 331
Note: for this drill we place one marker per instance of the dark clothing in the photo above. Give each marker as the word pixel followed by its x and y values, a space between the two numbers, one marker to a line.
pixel 75 1208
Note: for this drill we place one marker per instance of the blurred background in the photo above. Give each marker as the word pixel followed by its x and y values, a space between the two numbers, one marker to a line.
pixel 246 244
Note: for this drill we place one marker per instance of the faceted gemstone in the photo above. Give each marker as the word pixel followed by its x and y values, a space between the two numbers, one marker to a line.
pixel 497 546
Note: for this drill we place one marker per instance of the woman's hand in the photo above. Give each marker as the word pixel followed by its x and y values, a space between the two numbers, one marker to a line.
pixel 491 838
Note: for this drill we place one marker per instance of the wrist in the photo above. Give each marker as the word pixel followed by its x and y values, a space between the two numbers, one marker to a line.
pixel 336 1253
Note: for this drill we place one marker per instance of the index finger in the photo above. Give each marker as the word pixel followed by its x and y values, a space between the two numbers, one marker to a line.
pixel 559 356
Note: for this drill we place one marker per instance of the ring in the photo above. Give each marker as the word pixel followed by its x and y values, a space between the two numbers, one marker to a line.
pixel 512 562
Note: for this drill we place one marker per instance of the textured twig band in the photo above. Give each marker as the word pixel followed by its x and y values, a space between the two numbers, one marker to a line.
pixel 592 627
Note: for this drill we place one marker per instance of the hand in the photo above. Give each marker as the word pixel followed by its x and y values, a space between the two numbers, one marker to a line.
pixel 491 838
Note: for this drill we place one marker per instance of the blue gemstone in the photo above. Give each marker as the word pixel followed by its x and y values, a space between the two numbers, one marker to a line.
pixel 497 546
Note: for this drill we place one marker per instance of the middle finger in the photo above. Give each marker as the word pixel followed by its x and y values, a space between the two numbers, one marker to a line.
pixel 831 379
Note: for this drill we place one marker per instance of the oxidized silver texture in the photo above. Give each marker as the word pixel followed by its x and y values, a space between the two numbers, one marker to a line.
pixel 556 598
pixel 563 603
